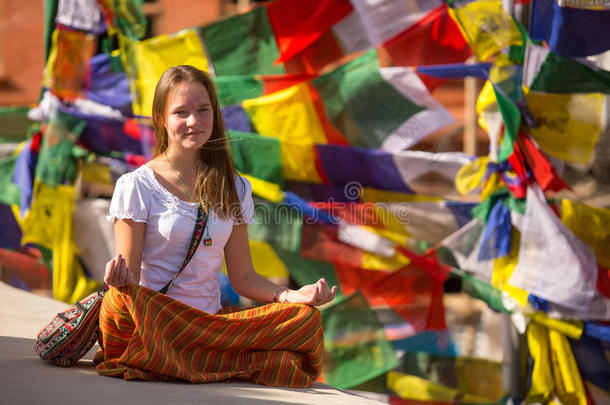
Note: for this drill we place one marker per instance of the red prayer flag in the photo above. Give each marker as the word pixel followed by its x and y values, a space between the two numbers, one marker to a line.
pixel 273 83
pixel 297 24
pixel 415 292
pixel 321 242
pixel 435 39
pixel 543 171
pixel 603 281
pixel 353 278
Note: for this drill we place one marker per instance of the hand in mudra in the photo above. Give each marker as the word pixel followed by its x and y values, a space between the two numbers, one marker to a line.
pixel 117 273
pixel 312 294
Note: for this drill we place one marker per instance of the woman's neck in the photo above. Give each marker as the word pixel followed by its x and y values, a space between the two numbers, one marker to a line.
pixel 182 161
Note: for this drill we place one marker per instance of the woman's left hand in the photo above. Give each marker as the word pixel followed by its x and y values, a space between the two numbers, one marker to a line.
pixel 311 294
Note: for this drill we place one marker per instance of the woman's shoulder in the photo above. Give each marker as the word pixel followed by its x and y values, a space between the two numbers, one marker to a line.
pixel 242 186
pixel 136 180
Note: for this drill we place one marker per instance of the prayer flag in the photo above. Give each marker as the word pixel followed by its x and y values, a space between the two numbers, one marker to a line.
pixel 567 126
pixel 68 69
pixel 487 27
pixel 591 225
pixel 385 19
pixel 242 45
pixel 434 39
pixel 298 25
pixel 570 32
pixel 388 108
pixel 56 161
pixel 355 347
pixel 145 61
pixel 545 71
pixel 547 244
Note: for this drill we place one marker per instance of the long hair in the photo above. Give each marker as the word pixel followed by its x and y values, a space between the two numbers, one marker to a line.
pixel 215 180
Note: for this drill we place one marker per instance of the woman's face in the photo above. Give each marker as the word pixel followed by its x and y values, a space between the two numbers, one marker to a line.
pixel 189 118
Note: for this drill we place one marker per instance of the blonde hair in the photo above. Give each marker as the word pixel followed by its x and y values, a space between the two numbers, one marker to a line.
pixel 215 179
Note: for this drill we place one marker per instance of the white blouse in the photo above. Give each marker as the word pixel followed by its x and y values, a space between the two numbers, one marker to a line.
pixel 170 222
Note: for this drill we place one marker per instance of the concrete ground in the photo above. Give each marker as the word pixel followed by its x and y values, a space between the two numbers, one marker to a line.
pixel 25 379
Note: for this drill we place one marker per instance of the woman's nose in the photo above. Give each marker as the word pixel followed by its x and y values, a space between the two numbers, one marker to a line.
pixel 191 120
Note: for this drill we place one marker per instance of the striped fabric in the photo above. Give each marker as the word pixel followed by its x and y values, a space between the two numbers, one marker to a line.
pixel 148 335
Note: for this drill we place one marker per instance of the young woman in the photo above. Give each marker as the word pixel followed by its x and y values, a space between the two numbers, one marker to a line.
pixel 154 210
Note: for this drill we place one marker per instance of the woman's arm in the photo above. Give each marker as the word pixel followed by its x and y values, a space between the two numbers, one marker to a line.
pixel 247 282
pixel 124 268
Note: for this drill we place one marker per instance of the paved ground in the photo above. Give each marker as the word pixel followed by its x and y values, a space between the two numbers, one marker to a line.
pixel 25 379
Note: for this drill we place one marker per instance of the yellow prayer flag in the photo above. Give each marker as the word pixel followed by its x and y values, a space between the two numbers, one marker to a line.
pixel 486 26
pixel 265 260
pixel 568 125
pixel 298 160
pixel 568 384
pixel 67 69
pixel 591 225
pixel 572 329
pixel 418 389
pixel 493 184
pixel 145 62
pixel 372 261
pixel 376 195
pixel 470 176
pixel 49 223
pixel 264 189
pixel 542 382
pixel 286 114
pixel 504 267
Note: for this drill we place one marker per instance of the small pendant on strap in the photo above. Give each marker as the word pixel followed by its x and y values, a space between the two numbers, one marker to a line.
pixel 207 241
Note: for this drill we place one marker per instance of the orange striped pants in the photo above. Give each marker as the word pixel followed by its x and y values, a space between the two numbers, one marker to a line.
pixel 148 335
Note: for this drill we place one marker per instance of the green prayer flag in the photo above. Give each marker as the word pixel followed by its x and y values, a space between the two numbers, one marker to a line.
pixel 277 224
pixel 483 291
pixel 57 158
pixel 258 156
pixel 355 347
pixel 15 123
pixel 562 75
pixel 129 17
pixel 362 104
pixel 512 120
pixel 235 89
pixel 241 45
pixel 10 193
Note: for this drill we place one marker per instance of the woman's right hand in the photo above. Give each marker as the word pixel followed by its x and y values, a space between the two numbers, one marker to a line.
pixel 117 273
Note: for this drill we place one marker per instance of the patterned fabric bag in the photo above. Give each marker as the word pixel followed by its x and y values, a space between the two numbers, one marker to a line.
pixel 71 333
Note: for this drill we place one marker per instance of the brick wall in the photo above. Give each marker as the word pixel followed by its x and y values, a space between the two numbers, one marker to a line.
pixel 21 51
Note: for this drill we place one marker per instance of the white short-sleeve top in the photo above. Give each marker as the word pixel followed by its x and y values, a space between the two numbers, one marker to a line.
pixel 170 222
